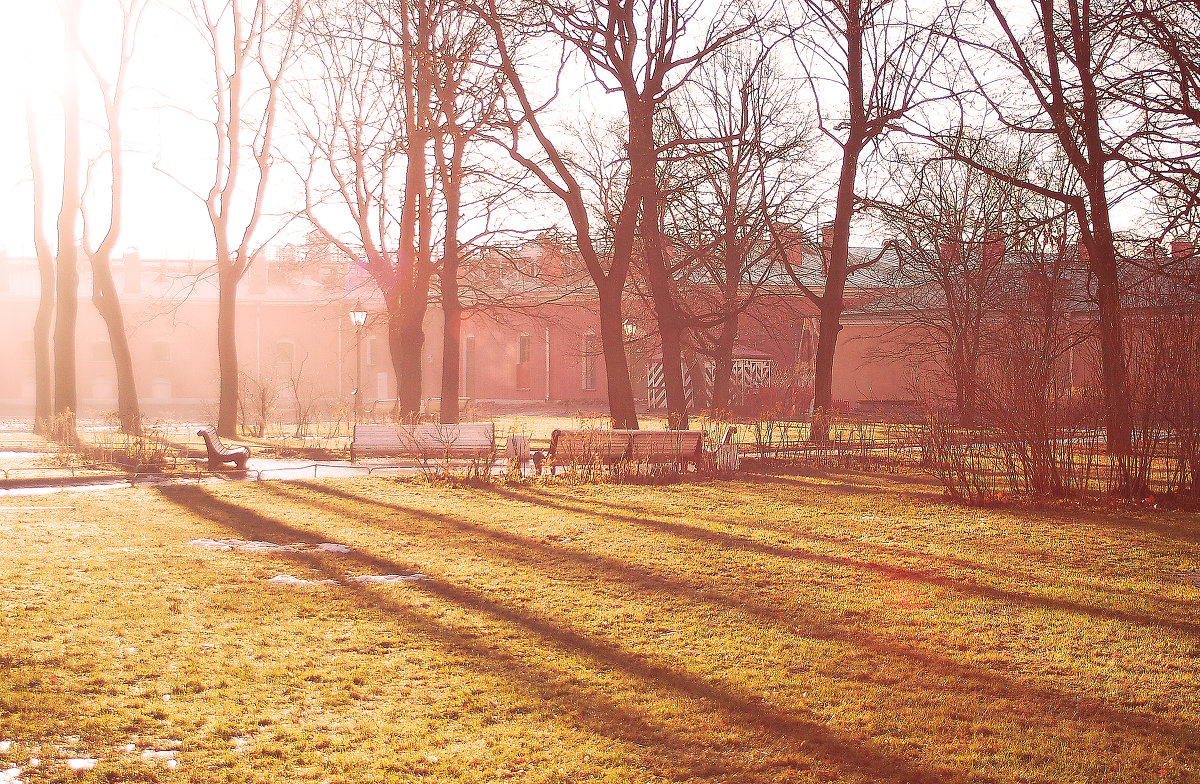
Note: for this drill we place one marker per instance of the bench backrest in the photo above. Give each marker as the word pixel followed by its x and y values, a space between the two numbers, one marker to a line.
pixel 427 439
pixel 583 447
pixel 658 446
pixel 212 440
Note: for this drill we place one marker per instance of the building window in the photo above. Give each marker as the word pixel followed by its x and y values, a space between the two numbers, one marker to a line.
pixel 524 369
pixel 591 350
pixel 285 352
pixel 373 351
pixel 160 351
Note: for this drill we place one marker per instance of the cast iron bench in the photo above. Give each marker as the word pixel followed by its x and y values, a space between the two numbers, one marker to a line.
pixel 219 454
pixel 609 447
pixel 475 440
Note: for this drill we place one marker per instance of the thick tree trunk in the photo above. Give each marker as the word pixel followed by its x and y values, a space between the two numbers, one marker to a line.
pixel 104 296
pixel 451 359
pixel 227 359
pixel 644 174
pixel 616 362
pixel 831 303
pixel 406 343
pixel 1113 371
pixel 722 391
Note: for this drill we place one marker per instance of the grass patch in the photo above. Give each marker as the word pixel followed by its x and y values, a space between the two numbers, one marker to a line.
pixel 773 628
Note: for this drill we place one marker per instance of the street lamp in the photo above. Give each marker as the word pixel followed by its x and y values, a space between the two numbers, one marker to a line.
pixel 358 317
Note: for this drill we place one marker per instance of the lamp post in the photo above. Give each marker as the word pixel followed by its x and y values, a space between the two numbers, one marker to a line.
pixel 358 317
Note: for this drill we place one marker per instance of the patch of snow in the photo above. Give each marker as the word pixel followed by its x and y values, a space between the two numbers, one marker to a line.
pixel 82 763
pixel 5 745
pixel 11 776
pixel 149 755
pixel 239 544
pixel 333 547
pixel 287 579
pixel 370 579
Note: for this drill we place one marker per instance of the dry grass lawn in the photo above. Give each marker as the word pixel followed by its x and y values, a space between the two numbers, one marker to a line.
pixel 828 627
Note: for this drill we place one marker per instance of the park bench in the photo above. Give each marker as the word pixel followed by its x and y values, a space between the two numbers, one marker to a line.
pixel 219 454
pixel 610 447
pixel 382 410
pixel 471 441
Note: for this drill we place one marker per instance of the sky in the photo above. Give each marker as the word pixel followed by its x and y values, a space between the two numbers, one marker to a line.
pixel 163 124
pixel 170 147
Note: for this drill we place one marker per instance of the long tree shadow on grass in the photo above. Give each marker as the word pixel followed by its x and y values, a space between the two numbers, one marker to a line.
pixel 1008 573
pixel 1100 519
pixel 923 665
pixel 856 757
pixel 993 593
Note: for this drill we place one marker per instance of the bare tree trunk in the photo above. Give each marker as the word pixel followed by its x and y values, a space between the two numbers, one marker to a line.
pixel 1113 371
pixel 43 370
pixel 616 362
pixel 66 396
pixel 406 343
pixel 722 391
pixel 104 296
pixel 831 303
pixel 451 308
pixel 643 163
pixel 227 360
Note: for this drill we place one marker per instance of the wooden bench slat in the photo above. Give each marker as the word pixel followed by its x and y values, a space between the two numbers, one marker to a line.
pixel 608 447
pixel 475 439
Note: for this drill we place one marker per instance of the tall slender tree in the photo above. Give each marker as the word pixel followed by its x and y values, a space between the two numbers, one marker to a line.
pixel 104 290
pixel 643 52
pixel 878 57
pixel 252 43
pixel 1068 57
pixel 66 314
pixel 43 354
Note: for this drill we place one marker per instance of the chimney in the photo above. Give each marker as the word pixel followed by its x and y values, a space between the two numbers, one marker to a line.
pixel 132 263
pixel 1182 251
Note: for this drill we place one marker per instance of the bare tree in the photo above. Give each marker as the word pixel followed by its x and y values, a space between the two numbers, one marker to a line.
pixel 1067 59
pixel 641 51
pixel 954 224
pixel 104 290
pixel 876 55
pixel 66 393
pixel 1163 88
pixel 248 71
pixel 723 194
pixel 468 96
pixel 43 357
pixel 400 100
